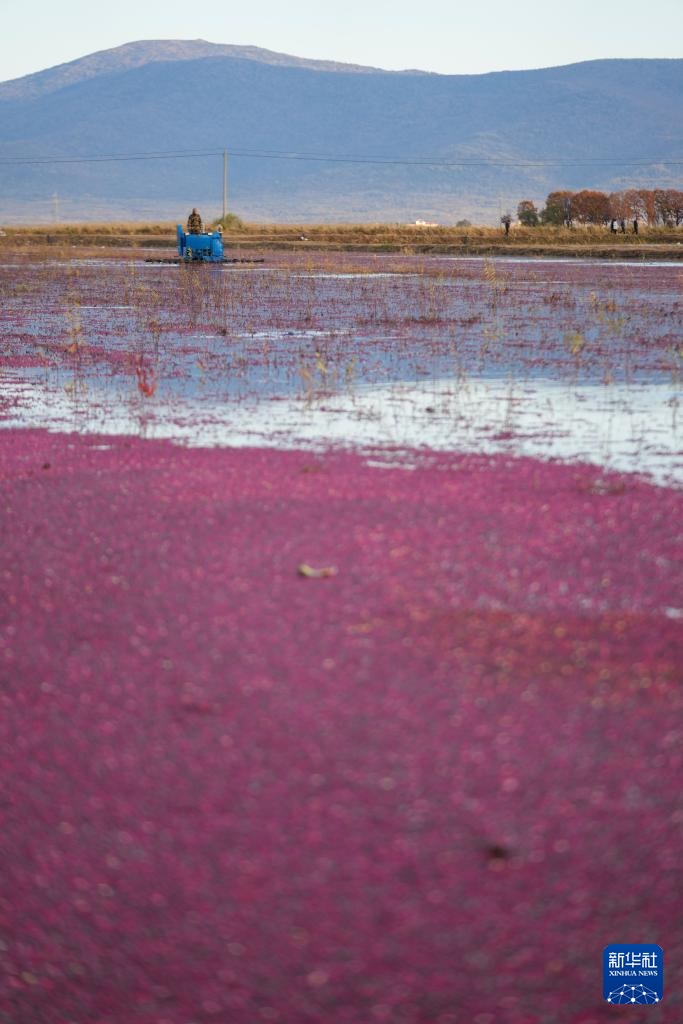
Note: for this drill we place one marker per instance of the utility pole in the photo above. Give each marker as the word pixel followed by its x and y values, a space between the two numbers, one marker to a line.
pixel 225 183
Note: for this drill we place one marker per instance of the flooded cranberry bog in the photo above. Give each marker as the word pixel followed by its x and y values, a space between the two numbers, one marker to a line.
pixel 574 360
pixel 340 638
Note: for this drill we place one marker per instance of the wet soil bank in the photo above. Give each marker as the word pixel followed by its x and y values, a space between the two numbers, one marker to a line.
pixel 586 252
pixel 429 786
pixel 164 245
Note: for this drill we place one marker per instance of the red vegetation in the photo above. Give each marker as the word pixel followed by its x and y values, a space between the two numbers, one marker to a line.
pixel 429 788
pixel 147 384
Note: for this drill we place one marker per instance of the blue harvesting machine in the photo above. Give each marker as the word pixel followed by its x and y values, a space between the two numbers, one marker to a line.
pixel 204 248
pixel 196 250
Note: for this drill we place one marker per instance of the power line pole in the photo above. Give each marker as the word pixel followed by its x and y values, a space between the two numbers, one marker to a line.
pixel 225 183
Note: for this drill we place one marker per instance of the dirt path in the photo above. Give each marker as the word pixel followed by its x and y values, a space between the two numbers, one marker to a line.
pixel 430 787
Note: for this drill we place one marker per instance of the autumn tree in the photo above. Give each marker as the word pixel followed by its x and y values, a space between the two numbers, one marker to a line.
pixel 647 197
pixel 590 207
pixel 640 203
pixel 662 211
pixel 618 206
pixel 558 209
pixel 635 205
pixel 527 214
pixel 676 205
pixel 668 204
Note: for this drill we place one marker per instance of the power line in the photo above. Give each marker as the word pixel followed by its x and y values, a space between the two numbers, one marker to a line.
pixel 116 157
pixel 328 158
pixel 439 162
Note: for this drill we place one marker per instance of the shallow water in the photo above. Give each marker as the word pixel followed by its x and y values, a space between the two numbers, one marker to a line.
pixel 577 360
pixel 622 427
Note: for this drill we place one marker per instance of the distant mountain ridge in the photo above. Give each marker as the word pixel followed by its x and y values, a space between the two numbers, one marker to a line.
pixel 148 51
pixel 446 146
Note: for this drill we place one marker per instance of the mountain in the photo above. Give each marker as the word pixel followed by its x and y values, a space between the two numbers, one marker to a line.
pixel 508 135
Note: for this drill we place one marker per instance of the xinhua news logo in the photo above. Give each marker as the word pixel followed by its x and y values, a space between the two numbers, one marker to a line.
pixel 632 973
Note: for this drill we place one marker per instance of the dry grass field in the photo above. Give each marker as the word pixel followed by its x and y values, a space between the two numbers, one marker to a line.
pixel 409 238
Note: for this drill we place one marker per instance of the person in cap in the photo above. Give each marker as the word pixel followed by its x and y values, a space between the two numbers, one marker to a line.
pixel 194 223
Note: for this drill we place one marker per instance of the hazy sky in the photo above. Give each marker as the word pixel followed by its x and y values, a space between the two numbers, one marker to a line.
pixel 449 36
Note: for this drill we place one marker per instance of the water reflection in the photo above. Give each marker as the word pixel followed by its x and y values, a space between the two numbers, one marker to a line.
pixel 632 428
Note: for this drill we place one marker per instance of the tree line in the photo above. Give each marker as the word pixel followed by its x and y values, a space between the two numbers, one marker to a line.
pixel 654 207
